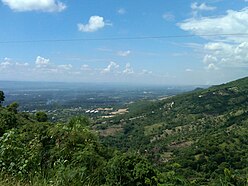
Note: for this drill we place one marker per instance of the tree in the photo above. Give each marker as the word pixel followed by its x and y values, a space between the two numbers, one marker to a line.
pixel 8 120
pixel 13 107
pixel 41 117
pixel 130 169
pixel 1 97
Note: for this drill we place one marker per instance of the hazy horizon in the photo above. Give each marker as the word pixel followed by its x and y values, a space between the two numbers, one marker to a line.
pixel 87 85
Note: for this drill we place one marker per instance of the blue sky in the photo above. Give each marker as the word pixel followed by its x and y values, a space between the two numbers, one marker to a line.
pixel 35 41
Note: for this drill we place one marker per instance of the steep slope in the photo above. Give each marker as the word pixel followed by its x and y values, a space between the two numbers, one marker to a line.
pixel 203 131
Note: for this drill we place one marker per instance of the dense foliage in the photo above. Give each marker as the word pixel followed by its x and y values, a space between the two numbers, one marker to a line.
pixel 1 97
pixel 200 135
pixel 38 152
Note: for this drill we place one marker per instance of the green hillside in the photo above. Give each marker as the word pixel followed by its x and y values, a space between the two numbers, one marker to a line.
pixel 36 152
pixel 196 138
pixel 201 135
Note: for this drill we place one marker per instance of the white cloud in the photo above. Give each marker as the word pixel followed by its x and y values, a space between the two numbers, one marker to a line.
pixel 95 23
pixel 144 71
pixel 9 66
pixel 42 62
pixel 43 69
pixel 65 67
pixel 43 65
pixel 209 59
pixel 201 7
pixel 222 26
pixel 216 46
pixel 224 54
pixel 124 53
pixel 112 67
pixel 227 48
pixel 35 5
pixel 85 67
pixel 22 64
pixel 121 11
pixel 7 59
pixel 5 64
pixel 128 69
pixel 188 70
pixel 212 66
pixel 168 16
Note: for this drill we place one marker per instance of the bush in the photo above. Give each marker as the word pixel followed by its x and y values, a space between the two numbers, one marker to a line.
pixel 130 169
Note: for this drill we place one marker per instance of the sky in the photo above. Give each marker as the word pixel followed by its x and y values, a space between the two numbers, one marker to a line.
pixel 166 42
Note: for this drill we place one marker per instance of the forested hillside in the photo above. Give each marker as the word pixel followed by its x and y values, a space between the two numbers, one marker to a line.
pixel 201 135
pixel 196 138
pixel 36 152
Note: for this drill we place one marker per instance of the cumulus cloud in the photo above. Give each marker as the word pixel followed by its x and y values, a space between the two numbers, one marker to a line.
pixel 201 7
pixel 42 62
pixel 144 71
pixel 65 67
pixel 128 69
pixel 85 67
pixel 43 68
pixel 43 65
pixel 5 64
pixel 168 16
pixel 95 23
pixel 209 59
pixel 8 66
pixel 212 66
pixel 221 26
pixel 35 5
pixel 228 45
pixel 188 70
pixel 197 8
pixel 121 11
pixel 7 59
pixel 224 54
pixel 21 64
pixel 124 53
pixel 112 67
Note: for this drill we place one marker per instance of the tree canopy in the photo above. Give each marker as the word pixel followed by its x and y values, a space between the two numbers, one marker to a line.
pixel 2 97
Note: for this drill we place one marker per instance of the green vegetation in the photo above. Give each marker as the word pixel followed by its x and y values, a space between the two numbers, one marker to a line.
pixel 1 97
pixel 197 138
pixel 41 117
pixel 36 152
pixel 200 135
